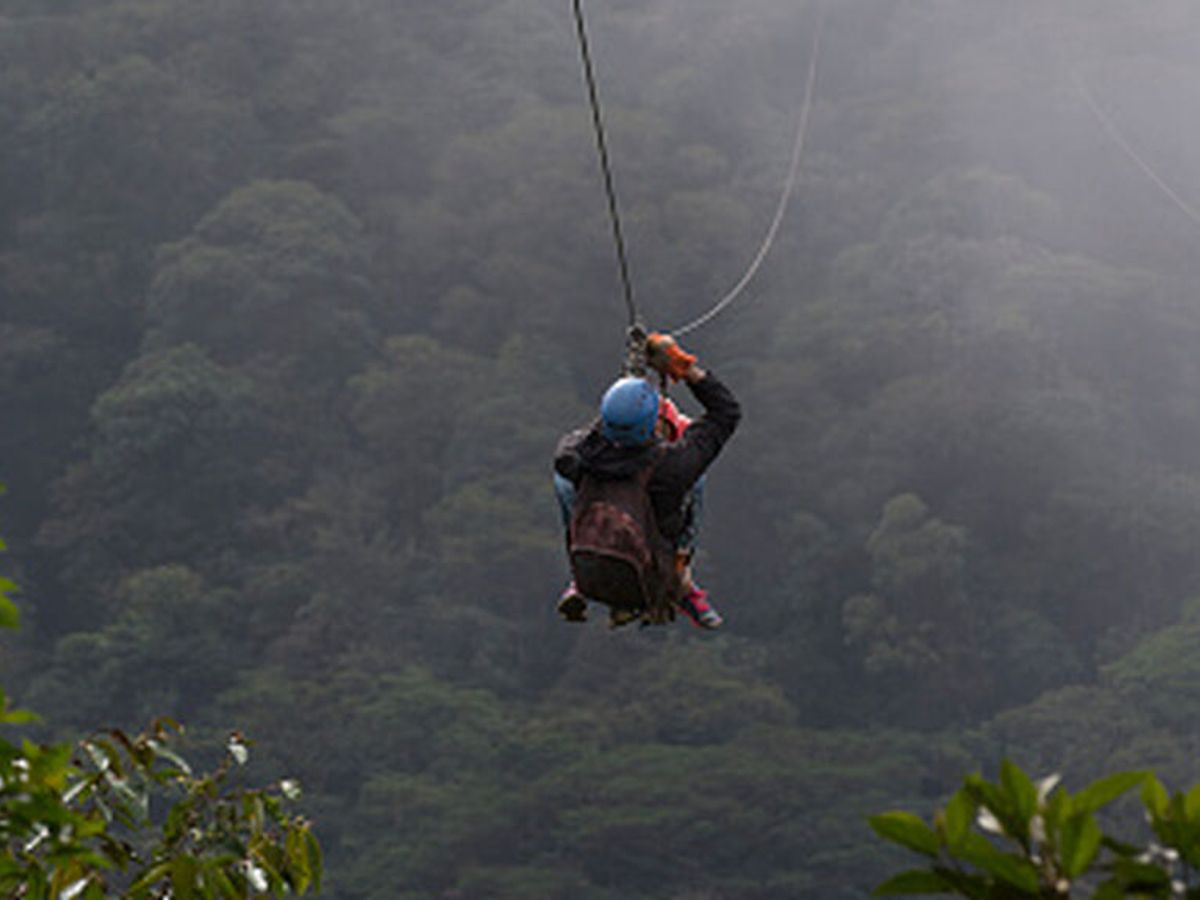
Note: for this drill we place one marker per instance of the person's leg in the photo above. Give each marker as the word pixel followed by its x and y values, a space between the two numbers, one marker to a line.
pixel 689 535
pixel 572 605
pixel 564 490
pixel 695 601
pixel 693 517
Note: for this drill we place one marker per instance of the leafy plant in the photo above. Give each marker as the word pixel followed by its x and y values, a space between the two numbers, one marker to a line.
pixel 9 617
pixel 1017 838
pixel 81 824
pixel 78 823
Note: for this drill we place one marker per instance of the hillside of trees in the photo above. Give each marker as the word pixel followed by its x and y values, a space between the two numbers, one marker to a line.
pixel 296 298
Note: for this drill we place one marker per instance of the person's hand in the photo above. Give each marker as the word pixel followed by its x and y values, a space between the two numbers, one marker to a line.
pixel 666 356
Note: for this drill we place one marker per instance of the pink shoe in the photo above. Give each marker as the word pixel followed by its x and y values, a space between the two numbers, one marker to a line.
pixel 700 611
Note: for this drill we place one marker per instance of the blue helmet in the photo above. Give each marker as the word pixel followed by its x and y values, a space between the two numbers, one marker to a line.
pixel 628 412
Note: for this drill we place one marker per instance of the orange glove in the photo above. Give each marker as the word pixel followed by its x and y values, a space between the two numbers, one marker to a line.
pixel 666 356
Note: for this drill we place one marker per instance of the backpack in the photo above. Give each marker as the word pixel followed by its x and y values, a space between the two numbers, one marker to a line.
pixel 618 556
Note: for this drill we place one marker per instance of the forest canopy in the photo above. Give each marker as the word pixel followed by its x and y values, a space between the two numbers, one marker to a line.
pixel 296 298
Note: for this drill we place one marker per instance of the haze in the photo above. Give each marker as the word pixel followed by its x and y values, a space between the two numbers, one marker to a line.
pixel 296 298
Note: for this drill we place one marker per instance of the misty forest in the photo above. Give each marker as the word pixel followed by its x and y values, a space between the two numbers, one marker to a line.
pixel 297 297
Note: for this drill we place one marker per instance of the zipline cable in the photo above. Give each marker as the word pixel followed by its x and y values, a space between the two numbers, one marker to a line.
pixel 785 197
pixel 1115 133
pixel 589 77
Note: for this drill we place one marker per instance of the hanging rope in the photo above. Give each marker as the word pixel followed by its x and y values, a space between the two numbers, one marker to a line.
pixel 781 208
pixel 1111 129
pixel 589 76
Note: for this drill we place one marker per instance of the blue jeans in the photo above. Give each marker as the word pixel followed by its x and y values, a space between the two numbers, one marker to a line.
pixel 693 510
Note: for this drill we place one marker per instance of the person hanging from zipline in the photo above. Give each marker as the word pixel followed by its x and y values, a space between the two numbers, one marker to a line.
pixel 630 489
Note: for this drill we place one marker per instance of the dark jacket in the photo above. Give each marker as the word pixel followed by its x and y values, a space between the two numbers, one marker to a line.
pixel 680 464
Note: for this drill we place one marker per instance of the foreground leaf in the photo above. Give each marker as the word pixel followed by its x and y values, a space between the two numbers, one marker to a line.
pixel 914 881
pixel 9 616
pixel 1015 871
pixel 907 830
pixel 1104 790
pixel 1081 842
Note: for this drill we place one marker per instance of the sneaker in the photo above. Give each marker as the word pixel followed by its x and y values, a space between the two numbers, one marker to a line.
pixel 572 605
pixel 702 613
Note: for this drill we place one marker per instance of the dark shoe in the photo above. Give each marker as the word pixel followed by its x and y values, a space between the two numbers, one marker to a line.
pixel 702 613
pixel 572 605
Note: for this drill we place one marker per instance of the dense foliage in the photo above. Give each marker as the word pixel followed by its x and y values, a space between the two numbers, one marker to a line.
pixel 77 822
pixel 296 297
pixel 1015 838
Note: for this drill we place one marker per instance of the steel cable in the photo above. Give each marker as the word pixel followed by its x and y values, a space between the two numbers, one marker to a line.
pixel 589 76
pixel 785 197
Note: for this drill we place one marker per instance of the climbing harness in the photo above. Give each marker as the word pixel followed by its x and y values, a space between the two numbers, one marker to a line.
pixel 784 198
pixel 1116 135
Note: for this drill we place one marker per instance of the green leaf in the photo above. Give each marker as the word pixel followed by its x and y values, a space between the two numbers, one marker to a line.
pixel 1105 790
pixel 907 830
pixel 37 888
pixel 217 879
pixel 18 717
pixel 1110 890
pixel 914 881
pixel 1120 848
pixel 315 860
pixel 1054 810
pixel 9 616
pixel 1080 843
pixel 297 860
pixel 1191 803
pixel 1015 871
pixel 1185 838
pixel 1021 794
pixel 183 878
pixel 176 824
pixel 253 812
pixel 1155 797
pixel 960 813
pixel 151 877
pixel 1136 876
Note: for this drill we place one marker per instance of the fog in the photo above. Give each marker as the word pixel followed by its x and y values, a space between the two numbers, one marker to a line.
pixel 296 300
